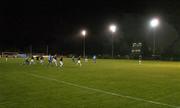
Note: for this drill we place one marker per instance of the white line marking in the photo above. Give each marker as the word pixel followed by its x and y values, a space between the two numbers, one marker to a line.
pixel 105 92
pixel 4 103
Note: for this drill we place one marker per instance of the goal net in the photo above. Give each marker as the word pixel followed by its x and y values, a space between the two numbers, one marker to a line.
pixel 10 54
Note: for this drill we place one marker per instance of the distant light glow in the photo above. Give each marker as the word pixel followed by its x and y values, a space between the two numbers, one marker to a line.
pixel 84 33
pixel 112 28
pixel 154 22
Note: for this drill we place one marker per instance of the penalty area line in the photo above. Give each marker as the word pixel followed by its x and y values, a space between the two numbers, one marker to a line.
pixel 103 91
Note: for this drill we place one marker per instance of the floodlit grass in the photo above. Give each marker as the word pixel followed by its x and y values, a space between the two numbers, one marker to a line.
pixel 106 84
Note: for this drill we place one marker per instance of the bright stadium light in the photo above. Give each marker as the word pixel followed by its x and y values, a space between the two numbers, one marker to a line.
pixel 154 22
pixel 84 33
pixel 112 28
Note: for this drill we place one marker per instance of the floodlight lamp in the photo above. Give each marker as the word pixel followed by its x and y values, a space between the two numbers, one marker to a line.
pixel 154 22
pixel 83 32
pixel 112 28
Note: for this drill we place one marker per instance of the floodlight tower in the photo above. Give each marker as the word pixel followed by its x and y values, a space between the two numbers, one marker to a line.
pixel 84 33
pixel 112 28
pixel 154 23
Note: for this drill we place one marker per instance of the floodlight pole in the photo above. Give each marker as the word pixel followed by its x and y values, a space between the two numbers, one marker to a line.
pixel 113 30
pixel 112 47
pixel 154 23
pixel 154 42
pixel 83 33
pixel 84 48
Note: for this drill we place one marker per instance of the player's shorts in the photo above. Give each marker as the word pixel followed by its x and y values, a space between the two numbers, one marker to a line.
pixel 41 61
pixel 54 60
pixel 61 62
pixel 50 61
pixel 79 61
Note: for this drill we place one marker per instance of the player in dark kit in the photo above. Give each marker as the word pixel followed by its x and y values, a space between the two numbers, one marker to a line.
pixel 73 59
pixel 79 61
pixel 61 62
pixel 49 59
pixel 26 62
pixel 32 60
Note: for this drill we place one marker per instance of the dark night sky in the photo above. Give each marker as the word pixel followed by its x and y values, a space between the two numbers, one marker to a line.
pixel 58 23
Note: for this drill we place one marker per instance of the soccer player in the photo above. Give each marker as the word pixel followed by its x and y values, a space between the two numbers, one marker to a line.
pixel 94 58
pixel 37 58
pixel 26 62
pixel 79 61
pixel 61 62
pixel 55 60
pixel 140 59
pixel 49 59
pixel 32 60
pixel 73 59
pixel 41 60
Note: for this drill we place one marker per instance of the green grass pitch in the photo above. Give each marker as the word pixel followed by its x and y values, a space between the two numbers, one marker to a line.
pixel 106 84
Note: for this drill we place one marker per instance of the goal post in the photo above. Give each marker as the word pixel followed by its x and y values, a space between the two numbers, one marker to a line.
pixel 10 54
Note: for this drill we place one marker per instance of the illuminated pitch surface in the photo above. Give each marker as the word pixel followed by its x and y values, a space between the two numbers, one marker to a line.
pixel 106 84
